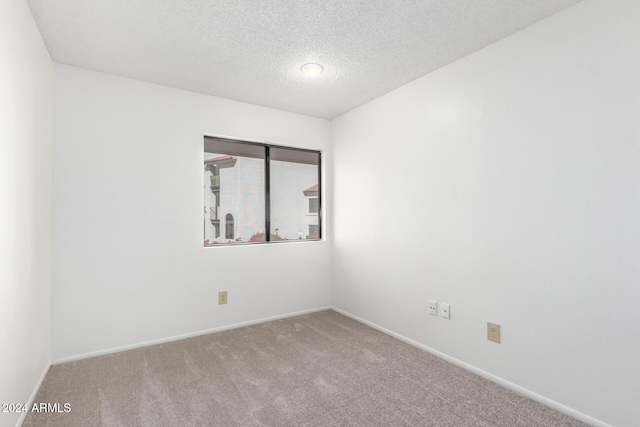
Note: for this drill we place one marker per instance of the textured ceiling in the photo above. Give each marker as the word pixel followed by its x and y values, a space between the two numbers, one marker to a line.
pixel 252 50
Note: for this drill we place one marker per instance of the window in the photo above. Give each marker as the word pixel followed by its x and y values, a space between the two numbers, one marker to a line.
pixel 261 193
pixel 233 191
pixel 228 233
pixel 313 205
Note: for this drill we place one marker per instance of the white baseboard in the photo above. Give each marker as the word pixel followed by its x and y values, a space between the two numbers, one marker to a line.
pixel 183 336
pixel 509 385
pixel 23 415
pixel 506 384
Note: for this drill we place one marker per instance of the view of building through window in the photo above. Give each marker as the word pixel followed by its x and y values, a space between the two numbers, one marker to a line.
pixel 240 203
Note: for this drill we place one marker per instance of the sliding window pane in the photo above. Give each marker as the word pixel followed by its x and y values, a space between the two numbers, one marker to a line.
pixel 233 190
pixel 295 195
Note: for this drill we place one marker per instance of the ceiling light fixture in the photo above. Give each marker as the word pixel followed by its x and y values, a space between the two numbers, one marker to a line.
pixel 311 69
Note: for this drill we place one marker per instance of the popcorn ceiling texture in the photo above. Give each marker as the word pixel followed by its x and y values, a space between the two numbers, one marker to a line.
pixel 252 51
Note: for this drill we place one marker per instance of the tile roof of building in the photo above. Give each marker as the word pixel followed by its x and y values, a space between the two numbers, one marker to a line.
pixel 311 189
pixel 218 159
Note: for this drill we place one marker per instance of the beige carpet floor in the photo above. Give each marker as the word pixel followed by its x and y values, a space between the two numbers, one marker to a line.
pixel 320 369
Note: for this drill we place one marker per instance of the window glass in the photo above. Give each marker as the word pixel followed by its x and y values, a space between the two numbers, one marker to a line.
pixel 244 205
pixel 294 194
pixel 234 202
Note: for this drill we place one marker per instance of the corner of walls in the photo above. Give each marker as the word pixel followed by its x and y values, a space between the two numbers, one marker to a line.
pixel 25 197
pixel 506 184
pixel 129 266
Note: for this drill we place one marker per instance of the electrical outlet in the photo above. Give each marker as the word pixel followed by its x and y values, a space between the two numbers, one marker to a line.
pixel 433 308
pixel 445 310
pixel 222 297
pixel 493 332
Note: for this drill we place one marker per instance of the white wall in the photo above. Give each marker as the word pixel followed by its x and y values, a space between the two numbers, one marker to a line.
pixel 509 182
pixel 129 265
pixel 25 206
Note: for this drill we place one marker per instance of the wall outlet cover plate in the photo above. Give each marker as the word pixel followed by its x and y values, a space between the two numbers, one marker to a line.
pixel 493 332
pixel 445 310
pixel 433 308
pixel 222 297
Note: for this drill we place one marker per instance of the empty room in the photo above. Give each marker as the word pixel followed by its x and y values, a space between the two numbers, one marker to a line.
pixel 331 213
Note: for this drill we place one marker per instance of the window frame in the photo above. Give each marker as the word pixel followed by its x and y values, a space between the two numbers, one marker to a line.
pixel 267 188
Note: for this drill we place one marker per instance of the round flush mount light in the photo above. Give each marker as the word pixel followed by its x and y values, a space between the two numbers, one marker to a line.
pixel 311 69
